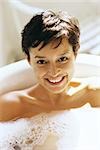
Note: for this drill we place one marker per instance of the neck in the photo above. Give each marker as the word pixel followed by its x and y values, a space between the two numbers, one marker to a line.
pixel 52 98
pixel 44 95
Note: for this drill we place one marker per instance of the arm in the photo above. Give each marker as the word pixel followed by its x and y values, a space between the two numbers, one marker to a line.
pixel 95 97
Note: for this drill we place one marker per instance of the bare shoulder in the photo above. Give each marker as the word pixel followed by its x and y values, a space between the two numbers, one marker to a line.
pixel 10 106
pixel 19 104
pixel 95 97
pixel 78 94
pixel 84 93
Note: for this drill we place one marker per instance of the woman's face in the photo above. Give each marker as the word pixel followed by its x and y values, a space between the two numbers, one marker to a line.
pixel 53 66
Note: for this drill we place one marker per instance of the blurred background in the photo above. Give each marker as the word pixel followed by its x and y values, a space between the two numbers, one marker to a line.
pixel 14 14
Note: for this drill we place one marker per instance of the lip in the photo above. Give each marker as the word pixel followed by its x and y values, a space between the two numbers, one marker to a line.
pixel 56 83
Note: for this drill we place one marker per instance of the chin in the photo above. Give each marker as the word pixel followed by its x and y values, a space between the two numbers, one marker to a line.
pixel 57 90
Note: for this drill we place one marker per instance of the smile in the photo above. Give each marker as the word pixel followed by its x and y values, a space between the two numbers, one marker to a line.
pixel 56 81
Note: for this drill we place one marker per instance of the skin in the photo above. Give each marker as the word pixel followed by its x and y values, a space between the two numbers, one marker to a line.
pixel 54 67
pixel 49 63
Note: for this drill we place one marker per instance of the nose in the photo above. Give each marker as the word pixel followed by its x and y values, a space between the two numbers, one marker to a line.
pixel 54 70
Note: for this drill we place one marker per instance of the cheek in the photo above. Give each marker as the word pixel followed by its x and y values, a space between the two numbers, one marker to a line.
pixel 40 72
pixel 72 66
pixel 69 68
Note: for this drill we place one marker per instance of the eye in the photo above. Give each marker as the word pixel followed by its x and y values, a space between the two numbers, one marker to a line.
pixel 63 59
pixel 41 62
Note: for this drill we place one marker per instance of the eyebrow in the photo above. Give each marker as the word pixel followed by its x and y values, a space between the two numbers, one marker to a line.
pixel 59 55
pixel 64 53
pixel 39 57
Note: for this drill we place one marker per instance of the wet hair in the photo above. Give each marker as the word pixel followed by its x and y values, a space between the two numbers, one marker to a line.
pixel 48 26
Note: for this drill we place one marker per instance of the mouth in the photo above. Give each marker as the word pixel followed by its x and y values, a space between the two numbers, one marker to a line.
pixel 56 81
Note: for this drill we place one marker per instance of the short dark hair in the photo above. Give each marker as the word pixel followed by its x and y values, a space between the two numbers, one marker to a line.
pixel 47 26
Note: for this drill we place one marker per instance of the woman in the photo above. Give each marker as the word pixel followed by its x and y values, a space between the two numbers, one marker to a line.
pixel 41 116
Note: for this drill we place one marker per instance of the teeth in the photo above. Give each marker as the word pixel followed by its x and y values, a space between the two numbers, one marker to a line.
pixel 56 80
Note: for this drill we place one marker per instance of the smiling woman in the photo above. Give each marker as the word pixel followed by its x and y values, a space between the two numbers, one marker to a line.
pixel 40 116
pixel 53 66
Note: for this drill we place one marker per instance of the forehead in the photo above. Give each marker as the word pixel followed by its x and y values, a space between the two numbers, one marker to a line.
pixel 52 48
